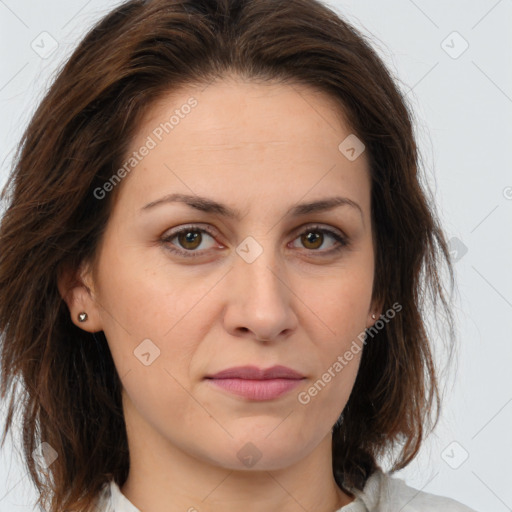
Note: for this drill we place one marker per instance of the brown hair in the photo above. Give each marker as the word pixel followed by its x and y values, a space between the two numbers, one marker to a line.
pixel 70 394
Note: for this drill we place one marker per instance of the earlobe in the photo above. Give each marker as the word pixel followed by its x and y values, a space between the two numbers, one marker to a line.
pixel 372 318
pixel 75 289
pixel 375 312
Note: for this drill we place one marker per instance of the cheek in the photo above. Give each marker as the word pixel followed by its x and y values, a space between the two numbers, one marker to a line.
pixel 337 325
pixel 147 309
pixel 135 293
pixel 319 403
pixel 339 305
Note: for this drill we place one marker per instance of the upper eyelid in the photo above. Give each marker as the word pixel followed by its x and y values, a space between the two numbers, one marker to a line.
pixel 189 227
pixel 212 231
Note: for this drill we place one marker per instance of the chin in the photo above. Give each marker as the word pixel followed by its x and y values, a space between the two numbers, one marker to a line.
pixel 263 450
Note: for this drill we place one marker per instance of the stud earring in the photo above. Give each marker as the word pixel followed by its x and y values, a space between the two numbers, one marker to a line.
pixel 374 317
pixel 82 317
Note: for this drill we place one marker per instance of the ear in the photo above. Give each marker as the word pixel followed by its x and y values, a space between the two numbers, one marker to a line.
pixel 376 308
pixel 76 288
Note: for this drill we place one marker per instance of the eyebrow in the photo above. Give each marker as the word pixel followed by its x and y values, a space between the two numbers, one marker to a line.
pixel 207 205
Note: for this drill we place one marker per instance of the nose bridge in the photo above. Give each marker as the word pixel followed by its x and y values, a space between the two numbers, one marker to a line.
pixel 259 299
pixel 257 267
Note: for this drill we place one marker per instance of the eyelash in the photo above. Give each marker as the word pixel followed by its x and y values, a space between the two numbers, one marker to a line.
pixel 342 241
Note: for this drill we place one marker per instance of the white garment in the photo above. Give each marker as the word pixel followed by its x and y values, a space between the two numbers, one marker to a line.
pixel 382 493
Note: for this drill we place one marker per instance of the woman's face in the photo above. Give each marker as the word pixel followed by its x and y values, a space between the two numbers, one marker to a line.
pixel 252 280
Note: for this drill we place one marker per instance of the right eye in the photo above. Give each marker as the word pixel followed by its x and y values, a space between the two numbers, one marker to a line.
pixel 189 238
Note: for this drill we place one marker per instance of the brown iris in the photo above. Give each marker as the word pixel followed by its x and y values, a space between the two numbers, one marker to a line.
pixel 312 237
pixel 190 237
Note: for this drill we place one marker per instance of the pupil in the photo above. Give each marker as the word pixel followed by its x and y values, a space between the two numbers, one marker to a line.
pixel 313 238
pixel 190 239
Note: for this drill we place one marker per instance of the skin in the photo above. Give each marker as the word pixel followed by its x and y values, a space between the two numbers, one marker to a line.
pixel 260 149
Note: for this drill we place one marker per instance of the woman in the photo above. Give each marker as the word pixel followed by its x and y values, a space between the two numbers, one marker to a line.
pixel 215 254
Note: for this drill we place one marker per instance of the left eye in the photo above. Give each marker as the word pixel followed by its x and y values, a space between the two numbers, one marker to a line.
pixel 190 238
pixel 315 237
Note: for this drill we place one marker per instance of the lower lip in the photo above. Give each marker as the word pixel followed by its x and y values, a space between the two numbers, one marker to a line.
pixel 267 389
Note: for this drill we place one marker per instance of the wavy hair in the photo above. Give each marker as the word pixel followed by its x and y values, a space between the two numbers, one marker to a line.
pixel 62 380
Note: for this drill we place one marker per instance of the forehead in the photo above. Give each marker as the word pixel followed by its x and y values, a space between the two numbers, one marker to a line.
pixel 275 140
pixel 233 111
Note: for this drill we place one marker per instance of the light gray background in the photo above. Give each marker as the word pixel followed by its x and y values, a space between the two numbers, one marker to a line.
pixel 463 105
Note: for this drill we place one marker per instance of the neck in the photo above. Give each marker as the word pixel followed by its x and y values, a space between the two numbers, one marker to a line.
pixel 163 478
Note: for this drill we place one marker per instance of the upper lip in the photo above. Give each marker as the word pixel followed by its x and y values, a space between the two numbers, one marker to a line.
pixel 255 373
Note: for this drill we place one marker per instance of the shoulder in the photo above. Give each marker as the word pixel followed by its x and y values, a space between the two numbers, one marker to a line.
pixel 384 493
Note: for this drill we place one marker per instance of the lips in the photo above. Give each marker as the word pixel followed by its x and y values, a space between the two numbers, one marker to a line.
pixel 256 384
pixel 255 373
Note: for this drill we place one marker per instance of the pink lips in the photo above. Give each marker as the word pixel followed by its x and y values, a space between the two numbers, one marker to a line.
pixel 255 383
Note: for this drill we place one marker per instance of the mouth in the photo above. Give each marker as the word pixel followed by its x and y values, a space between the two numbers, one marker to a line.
pixel 255 383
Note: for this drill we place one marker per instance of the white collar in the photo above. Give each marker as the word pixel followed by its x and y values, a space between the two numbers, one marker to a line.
pixel 381 493
pixel 118 502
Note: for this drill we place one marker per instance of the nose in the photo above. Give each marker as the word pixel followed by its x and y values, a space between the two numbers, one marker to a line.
pixel 260 301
